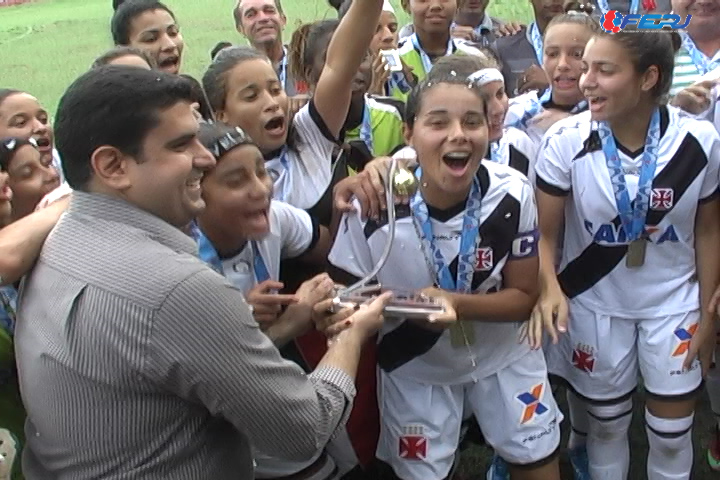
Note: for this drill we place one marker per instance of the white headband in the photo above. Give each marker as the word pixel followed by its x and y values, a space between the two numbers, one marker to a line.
pixel 387 7
pixel 485 76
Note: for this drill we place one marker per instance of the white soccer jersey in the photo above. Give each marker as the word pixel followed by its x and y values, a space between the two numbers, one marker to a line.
pixel 508 218
pixel 593 271
pixel 516 150
pixel 292 233
pixel 521 105
pixel 309 170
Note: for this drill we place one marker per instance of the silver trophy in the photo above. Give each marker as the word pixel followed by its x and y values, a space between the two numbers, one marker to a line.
pixel 404 304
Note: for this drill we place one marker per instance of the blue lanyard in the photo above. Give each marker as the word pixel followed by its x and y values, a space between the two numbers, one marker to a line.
pixel 209 255
pixel 398 80
pixel 699 59
pixel 604 7
pixel 633 219
pixel 467 257
pixel 427 63
pixel 366 128
pixel 536 41
pixel 283 69
pixel 8 300
pixel 495 151
pixel 282 189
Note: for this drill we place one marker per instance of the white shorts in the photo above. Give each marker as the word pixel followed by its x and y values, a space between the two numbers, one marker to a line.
pixel 601 356
pixel 420 424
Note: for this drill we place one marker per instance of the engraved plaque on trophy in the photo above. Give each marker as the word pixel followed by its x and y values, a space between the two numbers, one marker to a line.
pixel 404 304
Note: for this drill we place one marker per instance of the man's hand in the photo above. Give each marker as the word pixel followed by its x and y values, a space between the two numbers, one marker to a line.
pixel 696 98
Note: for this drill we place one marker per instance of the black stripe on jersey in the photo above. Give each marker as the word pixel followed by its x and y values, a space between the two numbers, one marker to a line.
pixel 409 341
pixel 550 189
pixel 596 261
pixel 320 122
pixel 519 161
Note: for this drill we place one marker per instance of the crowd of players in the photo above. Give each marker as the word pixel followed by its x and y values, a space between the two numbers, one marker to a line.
pixel 567 218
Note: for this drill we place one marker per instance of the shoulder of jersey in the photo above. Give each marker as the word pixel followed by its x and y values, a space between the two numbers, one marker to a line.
pixel 702 130
pixel 505 174
pixel 518 138
pixel 525 98
pixel 388 105
pixel 574 128
pixel 405 46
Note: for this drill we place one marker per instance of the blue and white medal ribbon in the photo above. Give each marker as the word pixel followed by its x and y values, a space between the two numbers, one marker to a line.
pixel 496 151
pixel 366 128
pixel 699 59
pixel 283 185
pixel 632 218
pixel 209 255
pixel 283 69
pixel 467 257
pixel 536 41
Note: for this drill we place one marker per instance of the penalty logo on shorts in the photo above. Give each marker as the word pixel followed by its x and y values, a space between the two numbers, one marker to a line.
pixel 413 444
pixel 531 401
pixel 684 335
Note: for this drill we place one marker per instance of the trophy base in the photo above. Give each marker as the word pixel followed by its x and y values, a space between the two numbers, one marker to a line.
pixel 404 304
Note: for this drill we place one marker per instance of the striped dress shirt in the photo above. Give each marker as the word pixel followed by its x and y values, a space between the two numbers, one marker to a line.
pixel 137 361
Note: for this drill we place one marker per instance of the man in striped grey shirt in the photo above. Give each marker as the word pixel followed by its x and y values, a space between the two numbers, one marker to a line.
pixel 135 359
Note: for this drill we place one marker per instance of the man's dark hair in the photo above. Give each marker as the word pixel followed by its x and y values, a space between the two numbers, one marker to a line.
pixel 113 105
pixel 218 48
pixel 127 12
pixel 117 3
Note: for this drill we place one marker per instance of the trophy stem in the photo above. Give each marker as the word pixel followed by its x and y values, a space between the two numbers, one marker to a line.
pixel 390 202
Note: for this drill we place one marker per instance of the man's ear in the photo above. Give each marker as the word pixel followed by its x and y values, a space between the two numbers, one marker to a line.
pixel 110 168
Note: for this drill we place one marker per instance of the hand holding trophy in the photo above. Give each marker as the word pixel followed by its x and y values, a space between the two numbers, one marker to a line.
pixel 403 304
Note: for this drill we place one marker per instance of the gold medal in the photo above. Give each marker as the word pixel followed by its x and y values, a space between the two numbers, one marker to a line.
pixel 404 182
pixel 636 253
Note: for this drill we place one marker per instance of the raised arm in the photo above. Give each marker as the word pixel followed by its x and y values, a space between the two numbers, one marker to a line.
pixel 346 52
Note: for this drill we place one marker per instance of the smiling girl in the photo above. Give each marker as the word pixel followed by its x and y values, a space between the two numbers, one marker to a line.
pixel 563 44
pixel 477 220
pixel 150 26
pixel 635 184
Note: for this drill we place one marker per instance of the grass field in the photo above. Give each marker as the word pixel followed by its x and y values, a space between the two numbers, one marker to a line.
pixel 45 45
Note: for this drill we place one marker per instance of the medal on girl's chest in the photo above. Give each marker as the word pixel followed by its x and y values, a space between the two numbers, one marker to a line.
pixel 636 253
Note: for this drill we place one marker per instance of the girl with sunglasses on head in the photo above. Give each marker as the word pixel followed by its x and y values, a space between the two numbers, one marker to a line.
pixel 22 116
pixel 635 184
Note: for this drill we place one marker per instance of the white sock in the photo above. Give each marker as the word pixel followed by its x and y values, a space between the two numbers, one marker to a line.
pixel 578 420
pixel 607 442
pixel 670 456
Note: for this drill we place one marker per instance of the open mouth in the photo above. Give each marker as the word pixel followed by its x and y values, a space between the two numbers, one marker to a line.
pixel 43 143
pixel 595 103
pixel 276 125
pixel 258 219
pixel 194 183
pixel 457 162
pixel 169 63
pixel 565 82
